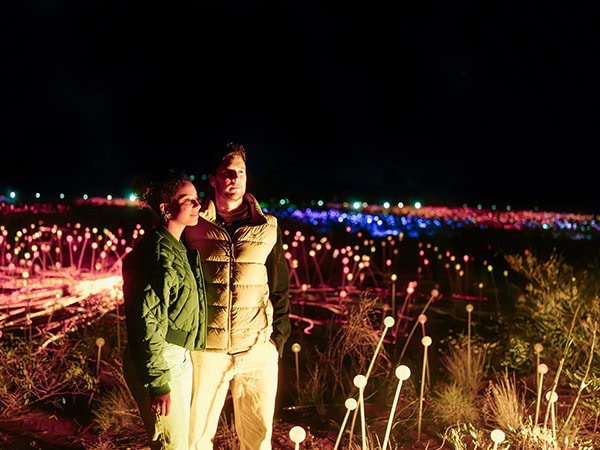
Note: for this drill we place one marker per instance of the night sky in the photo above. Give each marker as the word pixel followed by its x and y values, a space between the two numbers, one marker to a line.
pixel 445 102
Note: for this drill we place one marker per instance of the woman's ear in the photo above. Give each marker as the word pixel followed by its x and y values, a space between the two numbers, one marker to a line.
pixel 164 211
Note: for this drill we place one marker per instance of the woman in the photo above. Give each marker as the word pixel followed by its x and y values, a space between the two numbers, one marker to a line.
pixel 165 306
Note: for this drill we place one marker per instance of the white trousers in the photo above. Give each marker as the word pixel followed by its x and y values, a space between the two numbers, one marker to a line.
pixel 167 432
pixel 252 377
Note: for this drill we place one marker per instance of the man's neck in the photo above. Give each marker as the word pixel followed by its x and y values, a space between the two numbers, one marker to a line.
pixel 227 206
pixel 234 215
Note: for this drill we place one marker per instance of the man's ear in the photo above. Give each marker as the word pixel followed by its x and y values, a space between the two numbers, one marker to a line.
pixel 211 180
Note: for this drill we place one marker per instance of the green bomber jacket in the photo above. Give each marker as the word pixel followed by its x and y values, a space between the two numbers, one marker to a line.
pixel 165 301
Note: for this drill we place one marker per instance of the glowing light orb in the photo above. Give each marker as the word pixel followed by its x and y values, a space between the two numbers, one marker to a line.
pixel 538 348
pixel 100 342
pixel 435 293
pixel 422 318
pixel 497 436
pixel 542 369
pixel 297 434
pixel 296 347
pixel 389 321
pixel 350 404
pixel 426 341
pixel 360 381
pixel 551 396
pixel 402 372
pixel 469 308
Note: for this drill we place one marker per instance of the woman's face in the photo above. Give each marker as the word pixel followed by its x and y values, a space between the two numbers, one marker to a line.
pixel 184 206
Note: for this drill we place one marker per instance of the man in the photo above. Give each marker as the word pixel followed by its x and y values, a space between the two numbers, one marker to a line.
pixel 247 287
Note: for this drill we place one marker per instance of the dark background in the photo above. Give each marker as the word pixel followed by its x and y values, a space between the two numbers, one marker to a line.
pixel 444 102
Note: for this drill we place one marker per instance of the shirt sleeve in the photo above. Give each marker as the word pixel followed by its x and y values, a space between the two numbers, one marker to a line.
pixel 279 287
pixel 147 288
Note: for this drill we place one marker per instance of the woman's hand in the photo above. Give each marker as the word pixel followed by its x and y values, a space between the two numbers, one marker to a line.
pixel 161 405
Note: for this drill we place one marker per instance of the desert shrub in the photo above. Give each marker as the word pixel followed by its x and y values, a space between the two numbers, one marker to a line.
pixel 55 377
pixel 313 388
pixel 351 351
pixel 456 397
pixel 453 404
pixel 503 406
pixel 466 361
pixel 465 436
pixel 116 416
pixel 559 307
pixel 353 344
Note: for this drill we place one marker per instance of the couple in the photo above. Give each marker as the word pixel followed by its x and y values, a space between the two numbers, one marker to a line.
pixel 207 311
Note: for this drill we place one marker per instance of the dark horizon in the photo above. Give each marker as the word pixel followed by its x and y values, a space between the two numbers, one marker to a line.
pixel 445 103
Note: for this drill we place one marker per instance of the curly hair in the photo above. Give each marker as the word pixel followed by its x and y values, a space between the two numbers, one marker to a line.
pixel 161 189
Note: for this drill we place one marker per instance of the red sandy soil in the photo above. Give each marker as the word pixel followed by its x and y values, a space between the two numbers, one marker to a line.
pixel 40 432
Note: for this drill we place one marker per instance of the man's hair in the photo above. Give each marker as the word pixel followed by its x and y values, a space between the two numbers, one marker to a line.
pixel 231 149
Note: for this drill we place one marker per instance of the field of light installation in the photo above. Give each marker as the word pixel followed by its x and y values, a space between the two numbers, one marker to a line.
pixel 430 327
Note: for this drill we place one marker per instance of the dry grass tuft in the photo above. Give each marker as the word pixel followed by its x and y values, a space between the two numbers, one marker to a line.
pixel 503 406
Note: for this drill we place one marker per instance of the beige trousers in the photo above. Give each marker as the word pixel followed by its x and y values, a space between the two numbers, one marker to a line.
pixel 252 377
pixel 166 432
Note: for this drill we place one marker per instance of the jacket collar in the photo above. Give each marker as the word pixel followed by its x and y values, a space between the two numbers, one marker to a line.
pixel 209 210
pixel 168 237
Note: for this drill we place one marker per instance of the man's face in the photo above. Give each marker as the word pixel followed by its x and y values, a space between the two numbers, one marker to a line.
pixel 230 179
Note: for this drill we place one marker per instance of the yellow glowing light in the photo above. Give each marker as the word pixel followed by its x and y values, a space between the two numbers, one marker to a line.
pixel 360 381
pixel 350 404
pixel 551 397
pixel 297 434
pixel 402 372
pixel 497 436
